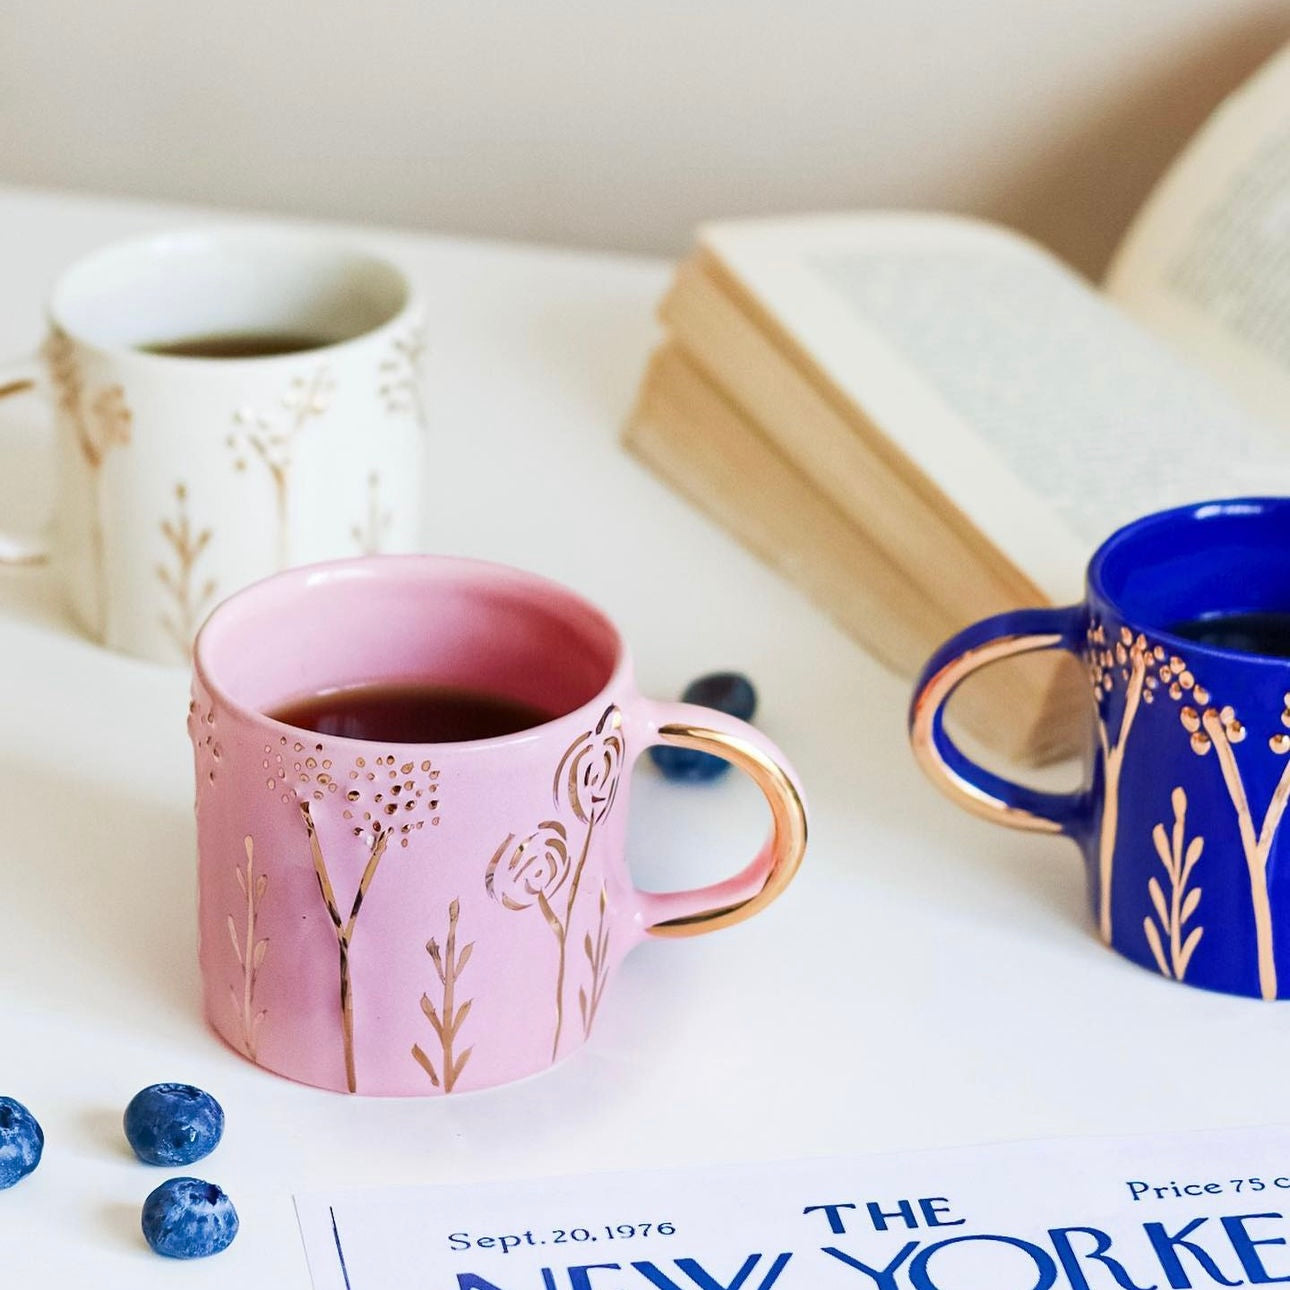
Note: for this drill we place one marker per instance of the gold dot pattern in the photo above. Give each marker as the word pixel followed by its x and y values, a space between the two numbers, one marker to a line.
pixel 385 795
pixel 201 728
pixel 1131 660
pixel 1136 664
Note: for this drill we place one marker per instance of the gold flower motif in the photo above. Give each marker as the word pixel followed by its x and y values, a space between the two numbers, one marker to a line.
pixel 589 772
pixel 531 871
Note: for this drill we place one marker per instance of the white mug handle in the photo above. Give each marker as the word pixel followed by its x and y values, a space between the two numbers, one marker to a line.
pixel 20 377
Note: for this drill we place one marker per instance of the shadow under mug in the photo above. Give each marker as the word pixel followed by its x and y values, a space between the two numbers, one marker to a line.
pixel 1180 820
pixel 428 918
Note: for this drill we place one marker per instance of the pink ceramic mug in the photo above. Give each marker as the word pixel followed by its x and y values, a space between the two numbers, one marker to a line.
pixel 431 918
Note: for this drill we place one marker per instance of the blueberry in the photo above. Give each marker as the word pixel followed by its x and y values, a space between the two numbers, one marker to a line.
pixel 21 1142
pixel 173 1124
pixel 186 1218
pixel 729 692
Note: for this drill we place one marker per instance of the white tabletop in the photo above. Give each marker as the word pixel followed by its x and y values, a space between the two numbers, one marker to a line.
pixel 928 980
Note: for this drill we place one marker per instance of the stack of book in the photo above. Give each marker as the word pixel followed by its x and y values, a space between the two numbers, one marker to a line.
pixel 923 419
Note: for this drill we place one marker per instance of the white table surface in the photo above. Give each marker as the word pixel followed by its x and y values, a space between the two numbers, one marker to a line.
pixel 928 980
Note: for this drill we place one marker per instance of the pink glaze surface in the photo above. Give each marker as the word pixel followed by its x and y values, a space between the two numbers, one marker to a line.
pixel 420 919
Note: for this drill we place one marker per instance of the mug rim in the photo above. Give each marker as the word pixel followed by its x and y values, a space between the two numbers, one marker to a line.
pixel 258 236
pixel 481 573
pixel 1189 514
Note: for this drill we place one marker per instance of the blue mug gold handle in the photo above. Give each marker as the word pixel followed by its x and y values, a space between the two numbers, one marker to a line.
pixel 1184 637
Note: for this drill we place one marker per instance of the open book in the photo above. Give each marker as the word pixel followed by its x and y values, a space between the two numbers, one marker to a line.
pixel 924 419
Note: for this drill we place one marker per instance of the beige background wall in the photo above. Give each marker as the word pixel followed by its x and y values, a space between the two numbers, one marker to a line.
pixel 620 123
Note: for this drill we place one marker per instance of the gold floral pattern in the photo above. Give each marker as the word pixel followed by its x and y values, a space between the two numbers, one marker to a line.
pixel 402 375
pixel 271 438
pixel 447 1016
pixel 249 948
pixel 597 953
pixel 201 728
pixel 370 535
pixel 1171 951
pixel 386 799
pixel 531 872
pixel 100 420
pixel 1149 673
pixel 588 774
pixel 189 597
pixel 538 869
pixel 1219 729
pixel 1144 671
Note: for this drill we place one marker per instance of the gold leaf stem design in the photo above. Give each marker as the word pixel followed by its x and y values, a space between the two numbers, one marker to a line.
pixel 104 427
pixel 100 422
pixel 1220 726
pixel 1113 762
pixel 597 953
pixel 535 871
pixel 370 535
pixel 272 440
pixel 1145 672
pixel 562 935
pixel 249 949
pixel 344 929
pixel 189 601
pixel 381 799
pixel 402 375
pixel 1179 858
pixel 446 1018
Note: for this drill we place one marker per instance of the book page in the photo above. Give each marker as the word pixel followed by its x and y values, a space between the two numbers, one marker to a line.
pixel 1045 415
pixel 1207 262
pixel 687 432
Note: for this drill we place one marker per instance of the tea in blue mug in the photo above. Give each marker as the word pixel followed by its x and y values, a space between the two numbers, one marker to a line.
pixel 1184 634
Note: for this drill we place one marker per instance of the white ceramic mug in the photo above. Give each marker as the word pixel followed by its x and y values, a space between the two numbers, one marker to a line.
pixel 181 479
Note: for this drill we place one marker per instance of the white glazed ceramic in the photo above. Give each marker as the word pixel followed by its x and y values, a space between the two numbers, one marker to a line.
pixel 182 479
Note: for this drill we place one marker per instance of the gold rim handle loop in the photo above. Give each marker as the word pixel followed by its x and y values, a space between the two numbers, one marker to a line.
pixel 690 913
pixel 971 786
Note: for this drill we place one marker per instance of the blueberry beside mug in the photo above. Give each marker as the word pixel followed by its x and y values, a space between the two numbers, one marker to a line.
pixel 226 403
pixel 1184 634
pixel 412 917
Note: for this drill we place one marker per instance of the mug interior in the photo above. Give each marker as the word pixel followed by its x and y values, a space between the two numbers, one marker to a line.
pixel 1197 562
pixel 407 619
pixel 213 283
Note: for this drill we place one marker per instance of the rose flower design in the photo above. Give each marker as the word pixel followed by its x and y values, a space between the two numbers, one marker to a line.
pixel 532 871
pixel 536 869
pixel 589 771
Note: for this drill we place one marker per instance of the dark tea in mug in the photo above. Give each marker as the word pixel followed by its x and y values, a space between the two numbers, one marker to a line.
pixel 1250 633
pixel 410 712
pixel 241 344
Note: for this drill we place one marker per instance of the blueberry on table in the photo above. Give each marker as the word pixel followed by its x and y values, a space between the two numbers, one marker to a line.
pixel 186 1218
pixel 728 692
pixel 21 1142
pixel 173 1124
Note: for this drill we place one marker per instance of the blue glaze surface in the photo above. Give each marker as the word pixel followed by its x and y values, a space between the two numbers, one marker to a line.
pixel 1181 820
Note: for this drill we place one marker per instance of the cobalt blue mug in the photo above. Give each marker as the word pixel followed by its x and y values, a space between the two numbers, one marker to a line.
pixel 1184 634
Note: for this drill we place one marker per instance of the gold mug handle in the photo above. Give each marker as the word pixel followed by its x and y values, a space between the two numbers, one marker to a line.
pixel 961 779
pixel 706 909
